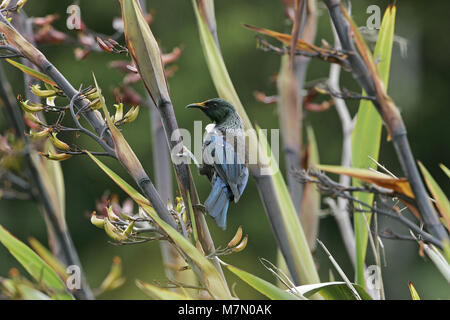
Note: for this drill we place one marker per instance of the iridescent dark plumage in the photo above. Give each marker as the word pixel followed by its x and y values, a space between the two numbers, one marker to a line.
pixel 223 157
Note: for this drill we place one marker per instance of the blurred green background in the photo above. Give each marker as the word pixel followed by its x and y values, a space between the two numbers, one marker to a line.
pixel 419 84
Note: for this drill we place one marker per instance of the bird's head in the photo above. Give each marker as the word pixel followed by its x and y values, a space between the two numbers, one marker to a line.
pixel 217 109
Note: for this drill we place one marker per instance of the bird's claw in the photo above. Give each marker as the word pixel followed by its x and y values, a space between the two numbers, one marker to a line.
pixel 201 207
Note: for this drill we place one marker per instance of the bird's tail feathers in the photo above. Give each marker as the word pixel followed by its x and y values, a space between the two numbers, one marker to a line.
pixel 217 203
pixel 242 184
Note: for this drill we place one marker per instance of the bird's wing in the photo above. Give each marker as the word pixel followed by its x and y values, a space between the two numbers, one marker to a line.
pixel 228 165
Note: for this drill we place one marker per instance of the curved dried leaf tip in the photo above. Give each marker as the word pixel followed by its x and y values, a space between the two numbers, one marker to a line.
pixel 308 49
pixel 144 51
pixel 414 294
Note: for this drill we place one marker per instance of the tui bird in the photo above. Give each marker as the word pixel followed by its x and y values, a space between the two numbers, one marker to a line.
pixel 223 157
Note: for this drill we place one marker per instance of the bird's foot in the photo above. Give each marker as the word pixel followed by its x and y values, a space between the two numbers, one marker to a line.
pixel 201 207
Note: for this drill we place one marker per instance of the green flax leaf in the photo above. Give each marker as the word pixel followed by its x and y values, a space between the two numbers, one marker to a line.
pixel 262 286
pixel 439 196
pixel 366 137
pixel 414 294
pixel 158 293
pixel 336 290
pixel 35 266
pixel 31 72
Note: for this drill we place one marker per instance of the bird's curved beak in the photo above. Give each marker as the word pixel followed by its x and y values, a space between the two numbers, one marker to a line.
pixel 199 105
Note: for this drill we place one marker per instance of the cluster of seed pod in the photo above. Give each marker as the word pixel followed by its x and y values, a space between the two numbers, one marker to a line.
pixel 119 118
pixel 93 96
pixel 130 228
pixel 179 213
pixel 236 244
pixel 41 131
pixel 117 227
pixel 111 46
pixel 125 228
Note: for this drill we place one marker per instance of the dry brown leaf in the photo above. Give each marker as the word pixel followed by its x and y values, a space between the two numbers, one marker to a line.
pixel 324 54
pixel 399 185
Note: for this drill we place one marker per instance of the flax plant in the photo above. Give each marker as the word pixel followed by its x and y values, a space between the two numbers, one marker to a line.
pixel 195 268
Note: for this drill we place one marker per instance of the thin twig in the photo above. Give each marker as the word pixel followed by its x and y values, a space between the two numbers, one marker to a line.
pixel 340 211
pixel 331 188
pixel 391 235
pixel 426 236
pixel 383 168
pixel 340 271
pixel 334 56
pixel 376 254
pixel 83 152
pixel 100 141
